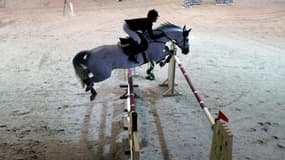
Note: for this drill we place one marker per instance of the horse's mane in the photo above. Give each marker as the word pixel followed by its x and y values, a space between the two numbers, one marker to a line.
pixel 167 25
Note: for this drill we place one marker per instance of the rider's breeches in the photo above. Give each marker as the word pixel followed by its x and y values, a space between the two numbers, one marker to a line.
pixel 131 33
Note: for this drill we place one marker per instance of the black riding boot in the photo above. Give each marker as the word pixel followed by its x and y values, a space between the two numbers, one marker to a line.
pixel 136 48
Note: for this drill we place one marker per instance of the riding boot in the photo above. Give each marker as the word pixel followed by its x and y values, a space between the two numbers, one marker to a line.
pixel 135 49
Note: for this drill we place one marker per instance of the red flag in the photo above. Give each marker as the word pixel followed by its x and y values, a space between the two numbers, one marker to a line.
pixel 222 116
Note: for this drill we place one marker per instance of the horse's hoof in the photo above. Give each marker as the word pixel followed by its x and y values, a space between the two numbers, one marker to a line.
pixel 150 77
pixel 92 97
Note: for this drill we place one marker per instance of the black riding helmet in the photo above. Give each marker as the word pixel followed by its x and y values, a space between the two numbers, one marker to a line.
pixel 152 14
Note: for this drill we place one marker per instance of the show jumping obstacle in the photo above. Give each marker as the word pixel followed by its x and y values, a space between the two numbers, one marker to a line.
pixel 170 81
pixel 71 10
pixel 222 137
pixel 221 148
pixel 131 144
pixel 188 3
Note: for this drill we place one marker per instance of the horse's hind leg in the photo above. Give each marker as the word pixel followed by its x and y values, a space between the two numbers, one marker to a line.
pixel 93 94
pixel 89 87
pixel 100 77
pixel 89 84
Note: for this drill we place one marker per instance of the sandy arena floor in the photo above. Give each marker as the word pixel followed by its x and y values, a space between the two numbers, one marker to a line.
pixel 237 62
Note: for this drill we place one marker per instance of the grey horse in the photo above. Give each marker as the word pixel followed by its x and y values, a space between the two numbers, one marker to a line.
pixel 95 65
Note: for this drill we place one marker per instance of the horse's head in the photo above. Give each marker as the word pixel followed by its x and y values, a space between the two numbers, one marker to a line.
pixel 177 35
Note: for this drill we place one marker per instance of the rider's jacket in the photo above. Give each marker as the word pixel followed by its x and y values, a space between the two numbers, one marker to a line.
pixel 143 25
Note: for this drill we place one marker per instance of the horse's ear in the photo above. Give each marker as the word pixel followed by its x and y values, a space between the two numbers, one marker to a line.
pixel 189 30
pixel 184 27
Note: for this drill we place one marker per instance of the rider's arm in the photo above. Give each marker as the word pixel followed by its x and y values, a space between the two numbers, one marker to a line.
pixel 152 35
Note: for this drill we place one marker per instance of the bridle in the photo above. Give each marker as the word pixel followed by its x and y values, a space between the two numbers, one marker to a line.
pixel 184 34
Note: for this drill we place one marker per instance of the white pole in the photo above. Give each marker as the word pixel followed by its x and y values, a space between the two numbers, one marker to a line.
pixel 71 9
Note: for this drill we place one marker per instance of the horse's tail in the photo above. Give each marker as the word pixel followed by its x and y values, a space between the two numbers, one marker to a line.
pixel 79 65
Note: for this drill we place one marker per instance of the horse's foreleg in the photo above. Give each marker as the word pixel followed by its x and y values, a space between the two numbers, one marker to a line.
pixel 150 75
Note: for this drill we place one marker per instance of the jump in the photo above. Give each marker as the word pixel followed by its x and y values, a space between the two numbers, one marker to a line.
pixel 95 65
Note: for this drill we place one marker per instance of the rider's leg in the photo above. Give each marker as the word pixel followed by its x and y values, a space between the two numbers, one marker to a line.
pixel 131 33
pixel 135 47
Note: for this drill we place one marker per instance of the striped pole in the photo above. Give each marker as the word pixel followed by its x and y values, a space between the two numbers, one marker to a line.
pixel 131 91
pixel 133 120
pixel 198 97
pixel 222 139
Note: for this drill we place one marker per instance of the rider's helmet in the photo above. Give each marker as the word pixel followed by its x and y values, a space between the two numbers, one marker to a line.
pixel 152 14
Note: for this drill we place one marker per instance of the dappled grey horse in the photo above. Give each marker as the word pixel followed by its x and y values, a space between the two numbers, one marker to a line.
pixel 96 65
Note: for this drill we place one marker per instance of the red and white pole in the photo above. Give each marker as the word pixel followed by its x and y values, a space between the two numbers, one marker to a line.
pixel 198 97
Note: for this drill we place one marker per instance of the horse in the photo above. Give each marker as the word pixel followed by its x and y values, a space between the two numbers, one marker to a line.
pixel 95 65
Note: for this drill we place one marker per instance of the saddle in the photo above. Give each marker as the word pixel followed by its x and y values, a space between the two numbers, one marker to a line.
pixel 131 48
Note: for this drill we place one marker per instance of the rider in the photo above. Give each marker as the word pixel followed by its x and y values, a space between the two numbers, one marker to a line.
pixel 132 26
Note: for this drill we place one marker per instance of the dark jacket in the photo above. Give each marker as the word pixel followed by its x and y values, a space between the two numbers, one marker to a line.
pixel 142 24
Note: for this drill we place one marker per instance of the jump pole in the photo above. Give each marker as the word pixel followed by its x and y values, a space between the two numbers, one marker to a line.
pixel 170 81
pixel 70 7
pixel 222 140
pixel 197 96
pixel 131 119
